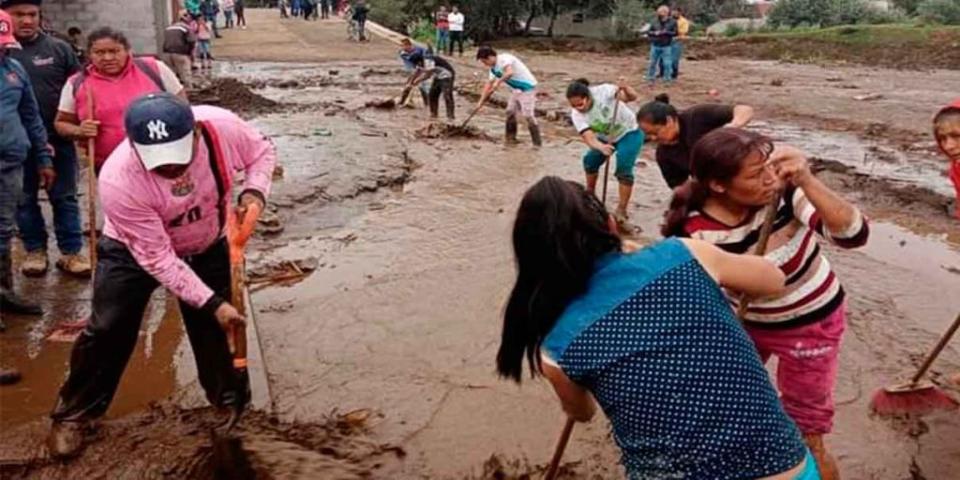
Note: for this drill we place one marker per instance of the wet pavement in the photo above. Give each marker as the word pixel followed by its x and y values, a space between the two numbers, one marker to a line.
pixel 410 239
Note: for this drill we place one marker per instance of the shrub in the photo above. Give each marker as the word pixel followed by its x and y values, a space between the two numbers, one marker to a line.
pixel 826 13
pixel 946 12
pixel 733 30
pixel 629 16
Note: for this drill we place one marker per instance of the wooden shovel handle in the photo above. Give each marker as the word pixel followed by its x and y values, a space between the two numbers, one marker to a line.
pixel 92 186
pixel 765 231
pixel 558 452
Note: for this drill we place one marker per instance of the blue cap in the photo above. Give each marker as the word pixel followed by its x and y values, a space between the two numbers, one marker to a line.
pixel 160 127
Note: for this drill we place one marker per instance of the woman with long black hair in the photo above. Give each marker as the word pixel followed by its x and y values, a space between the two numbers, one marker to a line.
pixel 649 334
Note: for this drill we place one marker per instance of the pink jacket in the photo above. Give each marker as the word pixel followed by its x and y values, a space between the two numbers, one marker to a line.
pixel 161 220
pixel 111 97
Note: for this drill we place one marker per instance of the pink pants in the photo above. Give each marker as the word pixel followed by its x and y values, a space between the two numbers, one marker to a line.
pixel 807 371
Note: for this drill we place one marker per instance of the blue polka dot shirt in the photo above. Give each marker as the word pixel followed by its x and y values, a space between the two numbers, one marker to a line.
pixel 656 342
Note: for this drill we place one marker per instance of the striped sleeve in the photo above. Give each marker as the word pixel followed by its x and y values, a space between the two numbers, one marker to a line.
pixel 853 236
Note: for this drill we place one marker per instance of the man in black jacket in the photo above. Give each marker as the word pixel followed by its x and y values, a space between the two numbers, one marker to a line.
pixel 662 31
pixel 49 62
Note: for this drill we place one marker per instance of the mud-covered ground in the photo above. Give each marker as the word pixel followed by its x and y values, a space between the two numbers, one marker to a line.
pixel 379 286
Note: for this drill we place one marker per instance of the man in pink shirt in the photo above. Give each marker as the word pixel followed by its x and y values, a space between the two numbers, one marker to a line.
pixel 165 193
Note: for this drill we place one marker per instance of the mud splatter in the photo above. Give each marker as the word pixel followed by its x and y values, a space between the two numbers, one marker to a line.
pixel 445 130
pixel 167 442
pixel 498 467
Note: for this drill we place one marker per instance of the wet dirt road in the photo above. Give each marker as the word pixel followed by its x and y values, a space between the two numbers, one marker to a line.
pixel 408 239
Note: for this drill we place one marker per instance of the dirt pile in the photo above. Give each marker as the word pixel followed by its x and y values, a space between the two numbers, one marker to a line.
pixel 382 103
pixel 445 130
pixel 233 95
pixel 166 442
pixel 499 468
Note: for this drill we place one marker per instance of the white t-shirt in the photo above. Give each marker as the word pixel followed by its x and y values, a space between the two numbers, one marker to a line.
pixel 522 80
pixel 599 117
pixel 456 22
pixel 169 79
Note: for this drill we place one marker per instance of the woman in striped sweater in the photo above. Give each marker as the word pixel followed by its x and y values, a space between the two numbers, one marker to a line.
pixel 736 175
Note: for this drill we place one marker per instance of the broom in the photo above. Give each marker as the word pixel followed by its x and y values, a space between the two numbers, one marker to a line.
pixel 916 397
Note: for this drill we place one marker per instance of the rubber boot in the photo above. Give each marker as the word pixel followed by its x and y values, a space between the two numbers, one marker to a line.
pixel 9 301
pixel 426 98
pixel 825 462
pixel 511 130
pixel 535 133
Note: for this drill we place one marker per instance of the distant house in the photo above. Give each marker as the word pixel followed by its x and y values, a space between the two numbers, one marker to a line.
pixel 142 21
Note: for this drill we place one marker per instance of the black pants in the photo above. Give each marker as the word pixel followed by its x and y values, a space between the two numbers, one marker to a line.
pixel 241 20
pixel 120 295
pixel 444 86
pixel 324 9
pixel 455 37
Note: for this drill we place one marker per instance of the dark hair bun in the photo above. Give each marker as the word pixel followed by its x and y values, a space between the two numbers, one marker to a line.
pixel 582 81
pixel 663 98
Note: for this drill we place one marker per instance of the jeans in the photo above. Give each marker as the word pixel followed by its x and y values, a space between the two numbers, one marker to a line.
pixel 11 187
pixel 455 38
pixel 228 18
pixel 657 55
pixel 444 87
pixel 120 295
pixel 295 8
pixel 212 20
pixel 63 199
pixel 677 53
pixel 324 9
pixel 443 39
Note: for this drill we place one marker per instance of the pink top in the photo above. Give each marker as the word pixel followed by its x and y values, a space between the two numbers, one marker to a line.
pixel 203 31
pixel 161 220
pixel 111 97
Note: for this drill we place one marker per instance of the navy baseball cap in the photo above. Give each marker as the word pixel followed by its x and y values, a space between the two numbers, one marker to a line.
pixel 160 127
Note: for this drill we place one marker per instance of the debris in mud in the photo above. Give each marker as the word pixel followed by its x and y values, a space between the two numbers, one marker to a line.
pixel 269 223
pixel 234 95
pixel 278 172
pixel 68 331
pixel 168 442
pixel 445 130
pixel 877 129
pixel 382 103
pixel 868 97
pixel 285 273
pixel 497 468
pixel 953 270
pixel 369 72
pixel 9 377
pixel 777 82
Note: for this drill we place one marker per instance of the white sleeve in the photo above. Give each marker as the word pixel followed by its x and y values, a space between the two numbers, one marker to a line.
pixel 170 81
pixel 579 121
pixel 68 104
pixel 607 93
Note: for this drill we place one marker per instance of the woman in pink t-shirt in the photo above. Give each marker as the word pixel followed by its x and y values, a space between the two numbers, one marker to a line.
pixel 113 79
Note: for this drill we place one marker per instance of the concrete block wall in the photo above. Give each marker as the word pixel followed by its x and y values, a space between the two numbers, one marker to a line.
pixel 142 21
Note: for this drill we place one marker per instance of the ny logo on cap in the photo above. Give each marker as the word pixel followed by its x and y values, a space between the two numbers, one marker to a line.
pixel 157 130
pixel 4 26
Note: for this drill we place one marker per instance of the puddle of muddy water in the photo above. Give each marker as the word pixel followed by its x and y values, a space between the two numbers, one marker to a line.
pixel 44 363
pixel 920 167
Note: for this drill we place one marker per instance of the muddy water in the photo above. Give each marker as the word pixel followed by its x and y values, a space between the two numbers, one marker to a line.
pixel 43 363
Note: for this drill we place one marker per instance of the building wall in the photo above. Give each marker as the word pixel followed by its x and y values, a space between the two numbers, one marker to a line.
pixel 142 21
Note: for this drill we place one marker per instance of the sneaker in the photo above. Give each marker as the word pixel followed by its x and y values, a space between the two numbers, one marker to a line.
pixel 66 439
pixel 35 265
pixel 76 264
